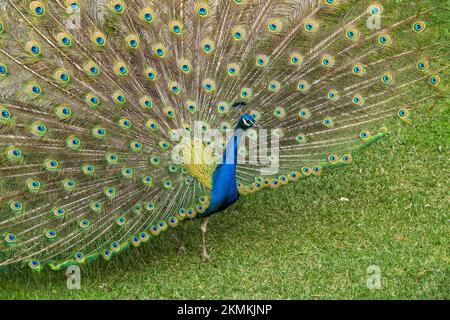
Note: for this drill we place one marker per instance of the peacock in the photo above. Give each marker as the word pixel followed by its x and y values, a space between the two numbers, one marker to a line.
pixel 121 119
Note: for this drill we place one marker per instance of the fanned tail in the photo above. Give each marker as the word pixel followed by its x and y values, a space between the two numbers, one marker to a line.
pixel 94 93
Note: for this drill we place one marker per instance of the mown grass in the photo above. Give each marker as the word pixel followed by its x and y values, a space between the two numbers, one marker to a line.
pixel 314 239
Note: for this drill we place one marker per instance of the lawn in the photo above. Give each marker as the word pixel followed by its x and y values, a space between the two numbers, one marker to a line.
pixel 313 239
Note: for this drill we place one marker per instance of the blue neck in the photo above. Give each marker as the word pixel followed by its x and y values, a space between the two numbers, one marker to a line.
pixel 224 189
pixel 231 152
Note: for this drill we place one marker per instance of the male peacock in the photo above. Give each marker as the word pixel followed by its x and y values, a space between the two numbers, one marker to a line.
pixel 100 99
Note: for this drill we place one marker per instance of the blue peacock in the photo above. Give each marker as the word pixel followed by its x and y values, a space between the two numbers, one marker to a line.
pixel 95 96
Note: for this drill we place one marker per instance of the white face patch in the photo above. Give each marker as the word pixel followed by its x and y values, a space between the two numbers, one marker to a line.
pixel 248 123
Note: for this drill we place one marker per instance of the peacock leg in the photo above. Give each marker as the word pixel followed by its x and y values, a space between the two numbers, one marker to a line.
pixel 181 247
pixel 205 256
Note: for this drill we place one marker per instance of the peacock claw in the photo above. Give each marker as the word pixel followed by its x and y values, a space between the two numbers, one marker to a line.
pixel 205 257
pixel 182 251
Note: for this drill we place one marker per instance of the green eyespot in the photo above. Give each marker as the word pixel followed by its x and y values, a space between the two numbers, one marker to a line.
pixel 127 173
pixel 88 169
pixel 73 143
pixel 69 184
pixel 33 185
pixel 112 158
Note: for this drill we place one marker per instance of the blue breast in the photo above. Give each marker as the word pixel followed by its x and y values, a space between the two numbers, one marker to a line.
pixel 224 188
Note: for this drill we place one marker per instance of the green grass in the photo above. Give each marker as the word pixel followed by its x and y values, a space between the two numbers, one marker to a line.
pixel 303 241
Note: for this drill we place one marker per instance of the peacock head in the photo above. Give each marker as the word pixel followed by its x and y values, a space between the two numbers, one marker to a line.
pixel 245 122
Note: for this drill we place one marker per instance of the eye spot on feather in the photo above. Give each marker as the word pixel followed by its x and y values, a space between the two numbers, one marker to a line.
pixel 73 143
pixel 61 76
pixel 246 93
pixel 51 235
pixel 358 70
pixel 223 107
pixel 311 25
pixel 419 26
pixel 159 50
pixel 92 69
pixel 69 184
pixel 185 66
pixel 306 171
pixel 88 169
pixel 38 129
pixel 33 48
pixel 98 39
pixel 92 100
pixel 5 115
pixel 332 158
pixel 202 8
pixel 296 58
pixel 233 69
pixel 33 185
pixel 119 98
pixel 207 46
pixel 150 206
pixel 176 27
pixel 403 113
pixel 304 114
pixel 51 165
pixel 303 86
pixel 72 5
pixel 330 2
pixel 136 146
pixel 127 173
pixel 13 154
pixel 34 265
pixel 275 25
pixel 422 65
pixel 365 135
pixel 15 206
pixel 279 112
pixel 301 138
pixel 112 158
pixel 333 95
pixel 79 257
pixel 352 34
pixel 346 158
pixel 238 33
pixel 121 221
pixel 358 100
pixel 384 39
pixel 435 80
pixel 117 6
pixel 147 15
pixel 132 41
pixel 3 70
pixel 124 123
pixel 33 89
pixel 387 78
pixel 327 61
pixel 150 74
pixel 262 60
pixel 375 9
pixel 63 112
pixel 317 170
pixel 328 122
pixel 191 106
pixel 274 86
pixel 37 8
pixel 99 132
pixel 209 85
